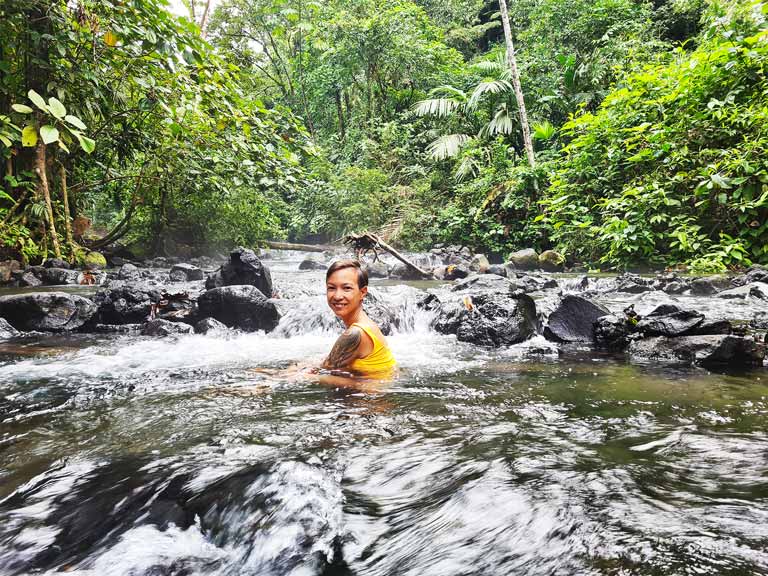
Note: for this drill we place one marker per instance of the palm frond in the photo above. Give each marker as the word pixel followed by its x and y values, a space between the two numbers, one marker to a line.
pixel 439 107
pixel 448 91
pixel 447 146
pixel 490 66
pixel 544 130
pixel 487 87
pixel 468 167
pixel 502 122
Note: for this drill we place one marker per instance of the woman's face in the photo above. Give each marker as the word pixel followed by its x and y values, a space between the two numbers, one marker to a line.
pixel 342 292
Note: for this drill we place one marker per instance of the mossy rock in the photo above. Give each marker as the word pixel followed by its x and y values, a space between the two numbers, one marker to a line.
pixel 551 261
pixel 94 260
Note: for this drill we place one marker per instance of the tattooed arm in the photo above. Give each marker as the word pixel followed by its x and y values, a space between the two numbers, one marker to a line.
pixel 344 351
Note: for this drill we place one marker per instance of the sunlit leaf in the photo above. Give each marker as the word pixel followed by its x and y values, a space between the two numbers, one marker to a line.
pixel 49 134
pixel 22 109
pixel 37 100
pixel 74 121
pixel 29 136
pixel 57 108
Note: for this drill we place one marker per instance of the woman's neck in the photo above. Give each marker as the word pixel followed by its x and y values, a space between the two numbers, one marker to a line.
pixel 354 318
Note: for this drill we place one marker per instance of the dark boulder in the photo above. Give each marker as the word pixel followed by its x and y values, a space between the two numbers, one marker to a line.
pixel 479 263
pixel 158 327
pixel 46 311
pixel 532 282
pixel 377 269
pixel 490 319
pixel 758 290
pixel 59 276
pixel 497 269
pixel 708 285
pixel 125 304
pixel 128 271
pixel 633 284
pixel 456 272
pixel 404 272
pixel 755 273
pixel 56 263
pixel 526 259
pixel 484 283
pixel 712 327
pixel 734 351
pixel 381 312
pixel 6 330
pixel 669 320
pixel 243 307
pixel 207 325
pixel 612 332
pixel 574 319
pixel 312 264
pixel 185 273
pixel 243 269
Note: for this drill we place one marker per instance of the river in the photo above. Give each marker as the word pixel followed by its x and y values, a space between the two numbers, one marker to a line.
pixel 131 455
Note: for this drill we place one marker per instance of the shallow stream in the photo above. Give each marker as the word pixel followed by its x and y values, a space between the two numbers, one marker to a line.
pixel 131 455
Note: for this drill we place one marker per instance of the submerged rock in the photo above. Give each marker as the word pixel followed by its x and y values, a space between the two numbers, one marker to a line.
pixel 159 327
pixel 185 273
pixel 574 319
pixel 244 268
pixel 243 307
pixel 526 259
pixel 735 351
pixel 46 311
pixel 490 319
pixel 670 320
pixel 125 304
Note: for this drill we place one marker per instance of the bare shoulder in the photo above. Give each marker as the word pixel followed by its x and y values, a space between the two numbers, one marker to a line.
pixel 345 350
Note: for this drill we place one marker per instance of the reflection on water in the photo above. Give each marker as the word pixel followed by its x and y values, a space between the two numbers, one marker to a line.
pixel 131 455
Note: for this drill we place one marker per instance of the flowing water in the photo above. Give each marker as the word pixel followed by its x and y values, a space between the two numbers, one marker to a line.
pixel 133 455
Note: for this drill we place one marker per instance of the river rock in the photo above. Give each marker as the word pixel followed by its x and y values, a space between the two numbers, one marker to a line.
pixel 380 312
pixel 7 268
pixel 456 272
pixel 669 320
pixel 312 264
pixel 207 325
pixel 709 327
pixel 244 268
pixel 735 351
pixel 243 307
pixel 56 263
pixel 94 261
pixel 185 273
pixel 757 290
pixel 128 271
pixel 158 327
pixel 6 330
pixel 27 278
pixel 526 259
pixel 404 272
pixel 633 283
pixel 59 276
pixel 479 263
pixel 125 304
pixel 532 282
pixel 551 261
pixel 490 319
pixel 574 319
pixel 46 311
pixel 484 283
pixel 612 332
pixel 708 285
pixel 755 273
pixel 377 269
pixel 497 269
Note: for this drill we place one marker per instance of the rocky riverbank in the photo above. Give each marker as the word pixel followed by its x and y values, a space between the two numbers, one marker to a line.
pixel 716 320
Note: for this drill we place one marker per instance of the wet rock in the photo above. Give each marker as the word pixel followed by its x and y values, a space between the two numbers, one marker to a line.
pixel 526 259
pixel 439 272
pixel 456 272
pixel 490 319
pixel 708 285
pixel 244 268
pixel 128 271
pixel 757 290
pixel 712 327
pixel 116 328
pixel 158 327
pixel 612 332
pixel 46 311
pixel 56 263
pixel 243 307
pixel 574 319
pixel 428 301
pixel 532 282
pixel 669 320
pixel 551 261
pixel 735 351
pixel 207 325
pixel 377 269
pixel 185 273
pixel 380 312
pixel 7 268
pixel 27 278
pixel 497 269
pixel 59 276
pixel 6 330
pixel 125 304
pixel 755 273
pixel 633 284
pixel 479 263
pixel 94 261
pixel 312 264
pixel 484 283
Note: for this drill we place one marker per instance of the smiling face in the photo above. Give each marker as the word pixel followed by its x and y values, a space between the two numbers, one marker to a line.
pixel 344 295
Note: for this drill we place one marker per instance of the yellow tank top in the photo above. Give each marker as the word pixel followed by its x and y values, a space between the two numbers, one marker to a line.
pixel 380 363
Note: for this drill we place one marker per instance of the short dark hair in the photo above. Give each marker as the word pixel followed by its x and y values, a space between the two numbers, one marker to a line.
pixel 362 275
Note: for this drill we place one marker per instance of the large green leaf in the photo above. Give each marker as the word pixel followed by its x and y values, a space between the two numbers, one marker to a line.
pixel 74 121
pixel 29 136
pixel 49 134
pixel 57 108
pixel 87 144
pixel 22 108
pixel 37 100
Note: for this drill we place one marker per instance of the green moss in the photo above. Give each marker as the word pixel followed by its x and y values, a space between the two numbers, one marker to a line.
pixel 94 260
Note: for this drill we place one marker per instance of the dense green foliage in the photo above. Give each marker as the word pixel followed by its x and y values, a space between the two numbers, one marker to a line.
pixel 307 120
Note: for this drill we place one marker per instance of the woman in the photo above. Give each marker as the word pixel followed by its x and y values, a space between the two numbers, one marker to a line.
pixel 361 350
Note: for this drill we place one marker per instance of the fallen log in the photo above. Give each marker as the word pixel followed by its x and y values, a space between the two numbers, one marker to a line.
pixel 301 247
pixel 368 242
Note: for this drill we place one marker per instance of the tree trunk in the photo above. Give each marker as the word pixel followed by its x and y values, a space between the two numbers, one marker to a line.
pixel 340 112
pixel 512 63
pixel 67 215
pixel 204 19
pixel 40 169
